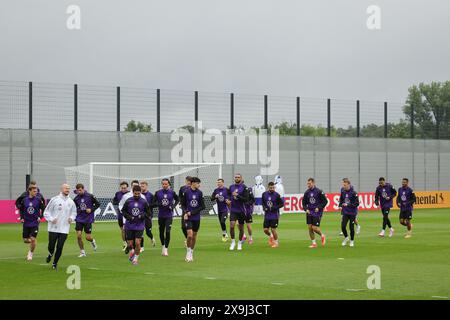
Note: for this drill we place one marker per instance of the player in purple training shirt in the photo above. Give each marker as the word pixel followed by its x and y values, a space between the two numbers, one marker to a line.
pixel 249 206
pixel 238 193
pixel 220 195
pixel 86 204
pixel 194 204
pixel 26 193
pixel 405 201
pixel 314 201
pixel 135 210
pixel 116 200
pixel 181 192
pixel 384 196
pixel 271 203
pixel 165 200
pixel 31 209
pixel 148 222
pixel 349 203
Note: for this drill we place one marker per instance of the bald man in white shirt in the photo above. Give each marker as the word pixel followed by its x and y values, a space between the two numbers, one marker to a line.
pixel 60 212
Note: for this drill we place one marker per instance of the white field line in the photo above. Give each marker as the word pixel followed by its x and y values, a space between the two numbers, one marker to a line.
pixel 355 290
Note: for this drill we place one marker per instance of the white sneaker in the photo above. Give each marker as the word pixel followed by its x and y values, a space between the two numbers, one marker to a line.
pixel 391 232
pixel 82 255
pixel 94 245
pixel 352 243
pixel 381 234
pixel 142 249
pixel 188 255
pixel 162 250
pixel 239 246
pixel 358 229
pixel 346 240
pixel 232 245
pixel 29 256
pixel 166 252
pixel 341 233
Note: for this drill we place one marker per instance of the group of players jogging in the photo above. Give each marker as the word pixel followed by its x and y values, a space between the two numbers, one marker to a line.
pixel 136 207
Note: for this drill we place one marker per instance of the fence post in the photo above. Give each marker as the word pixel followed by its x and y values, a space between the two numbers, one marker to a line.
pixel 266 126
pixel 27 181
pixel 30 123
pixel 75 107
pixel 437 123
pixel 30 105
pixel 329 117
pixel 118 109
pixel 358 119
pixel 385 119
pixel 196 107
pixel 231 111
pixel 298 116
pixel 75 121
pixel 158 110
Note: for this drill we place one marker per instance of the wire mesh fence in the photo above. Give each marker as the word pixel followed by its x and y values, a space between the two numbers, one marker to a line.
pixel 34 105
pixel 45 153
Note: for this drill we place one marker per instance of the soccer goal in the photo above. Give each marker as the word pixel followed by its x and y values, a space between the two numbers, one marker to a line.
pixel 103 179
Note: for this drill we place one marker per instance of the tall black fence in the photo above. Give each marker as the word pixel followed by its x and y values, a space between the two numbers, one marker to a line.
pixel 33 105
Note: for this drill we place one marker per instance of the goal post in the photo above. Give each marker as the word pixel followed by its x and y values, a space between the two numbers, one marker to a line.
pixel 103 179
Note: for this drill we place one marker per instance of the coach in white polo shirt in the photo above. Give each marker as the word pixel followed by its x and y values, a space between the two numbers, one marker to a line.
pixel 60 212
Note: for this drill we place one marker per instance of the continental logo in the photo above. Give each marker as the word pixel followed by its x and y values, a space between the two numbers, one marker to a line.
pixel 432 199
pixel 437 198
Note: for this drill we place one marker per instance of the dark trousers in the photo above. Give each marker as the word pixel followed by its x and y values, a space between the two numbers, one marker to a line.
pixel 222 219
pixel 386 221
pixel 345 220
pixel 165 224
pixel 183 226
pixel 57 240
pixel 148 228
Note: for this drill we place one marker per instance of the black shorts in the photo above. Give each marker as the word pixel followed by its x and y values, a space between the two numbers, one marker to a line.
pixel 248 218
pixel 30 232
pixel 192 225
pixel 134 234
pixel 272 223
pixel 406 215
pixel 87 227
pixel 313 220
pixel 386 211
pixel 237 216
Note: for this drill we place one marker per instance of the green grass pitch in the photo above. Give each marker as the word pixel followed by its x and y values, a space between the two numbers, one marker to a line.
pixel 416 268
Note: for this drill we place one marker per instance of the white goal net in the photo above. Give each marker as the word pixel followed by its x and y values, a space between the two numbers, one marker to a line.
pixel 103 179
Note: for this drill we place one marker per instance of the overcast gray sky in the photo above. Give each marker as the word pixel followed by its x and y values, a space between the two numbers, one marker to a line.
pixel 309 48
